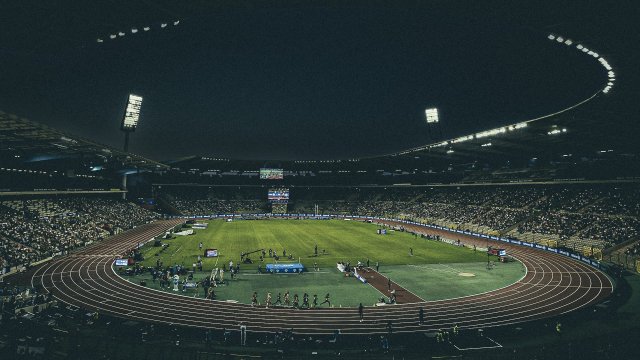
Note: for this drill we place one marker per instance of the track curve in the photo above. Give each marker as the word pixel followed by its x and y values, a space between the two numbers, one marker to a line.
pixel 553 285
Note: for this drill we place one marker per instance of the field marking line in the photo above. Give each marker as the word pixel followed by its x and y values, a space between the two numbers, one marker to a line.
pixel 481 347
pixel 175 252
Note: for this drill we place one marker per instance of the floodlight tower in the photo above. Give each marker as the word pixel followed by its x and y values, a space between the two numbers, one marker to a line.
pixel 129 124
pixel 433 121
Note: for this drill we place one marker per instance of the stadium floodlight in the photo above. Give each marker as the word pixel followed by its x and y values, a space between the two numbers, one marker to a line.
pixel 450 151
pixel 134 30
pixel 99 40
pixel 491 132
pixel 579 46
pixel 551 37
pixel 120 33
pixel 112 36
pixel 146 28
pixel 568 42
pixel 560 39
pixel 486 144
pixel 175 23
pixel 432 115
pixel 132 113
pixel 163 25
pixel 556 131
pixel 462 139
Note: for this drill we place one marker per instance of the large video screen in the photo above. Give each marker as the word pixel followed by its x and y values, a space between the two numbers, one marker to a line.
pixel 211 253
pixel 271 174
pixel 278 195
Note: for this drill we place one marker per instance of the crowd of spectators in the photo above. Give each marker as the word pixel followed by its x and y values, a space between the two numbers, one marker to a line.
pixel 214 207
pixel 27 235
pixel 562 224
pixel 612 230
pixel 633 250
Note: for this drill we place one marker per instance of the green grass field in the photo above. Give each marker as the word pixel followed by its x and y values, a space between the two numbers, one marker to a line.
pixel 342 241
pixel 431 273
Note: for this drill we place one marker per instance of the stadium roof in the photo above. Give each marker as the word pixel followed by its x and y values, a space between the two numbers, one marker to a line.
pixel 32 142
pixel 68 40
pixel 313 79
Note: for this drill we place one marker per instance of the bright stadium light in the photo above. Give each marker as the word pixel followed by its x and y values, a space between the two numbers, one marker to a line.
pixel 560 39
pixel 175 23
pixel 146 28
pixel 134 30
pixel 568 42
pixel 579 46
pixel 556 131
pixel 163 25
pixel 432 115
pixel 132 113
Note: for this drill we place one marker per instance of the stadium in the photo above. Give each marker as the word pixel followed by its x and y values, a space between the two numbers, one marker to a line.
pixel 319 179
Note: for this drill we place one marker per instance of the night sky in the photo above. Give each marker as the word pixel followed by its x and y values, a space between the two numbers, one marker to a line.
pixel 299 80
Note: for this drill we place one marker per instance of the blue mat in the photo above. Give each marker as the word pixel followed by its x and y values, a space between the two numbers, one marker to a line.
pixel 285 268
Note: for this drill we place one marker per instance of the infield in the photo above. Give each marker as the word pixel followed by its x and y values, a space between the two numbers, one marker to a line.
pixel 433 272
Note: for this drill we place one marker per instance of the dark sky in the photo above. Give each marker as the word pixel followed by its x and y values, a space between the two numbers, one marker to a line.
pixel 299 80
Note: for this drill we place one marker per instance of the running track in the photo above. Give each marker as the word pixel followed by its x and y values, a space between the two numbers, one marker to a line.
pixel 553 285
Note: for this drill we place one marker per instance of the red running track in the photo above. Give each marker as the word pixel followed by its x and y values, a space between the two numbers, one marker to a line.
pixel 553 285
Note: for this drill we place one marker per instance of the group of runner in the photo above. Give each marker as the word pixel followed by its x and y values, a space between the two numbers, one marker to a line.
pixel 287 301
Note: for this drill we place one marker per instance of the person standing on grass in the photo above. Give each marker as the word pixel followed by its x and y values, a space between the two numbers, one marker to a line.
pixel 287 302
pixel 410 251
pixel 278 300
pixel 268 300
pixel 361 312
pixel 389 283
pixel 367 262
pixel 315 301
pixel 377 266
pixel 254 299
pixel 296 301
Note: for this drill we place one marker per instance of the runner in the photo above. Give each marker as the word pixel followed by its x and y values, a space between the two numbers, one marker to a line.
pixel 326 300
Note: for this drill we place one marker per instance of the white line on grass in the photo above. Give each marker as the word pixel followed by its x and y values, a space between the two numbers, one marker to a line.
pixel 481 347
